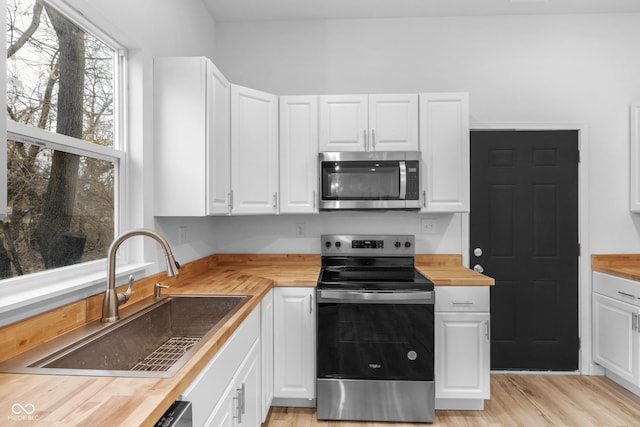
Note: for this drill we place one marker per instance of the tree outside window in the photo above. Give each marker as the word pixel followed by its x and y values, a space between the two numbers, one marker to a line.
pixel 60 78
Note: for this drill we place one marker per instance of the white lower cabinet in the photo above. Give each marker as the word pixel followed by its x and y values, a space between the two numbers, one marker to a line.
pixel 240 404
pixel 227 391
pixel 266 339
pixel 462 347
pixel 616 328
pixel 294 346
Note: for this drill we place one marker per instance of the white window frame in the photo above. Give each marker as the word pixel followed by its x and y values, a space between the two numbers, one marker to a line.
pixel 24 296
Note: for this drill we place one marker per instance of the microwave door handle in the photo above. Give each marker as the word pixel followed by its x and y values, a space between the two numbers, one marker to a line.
pixel 403 180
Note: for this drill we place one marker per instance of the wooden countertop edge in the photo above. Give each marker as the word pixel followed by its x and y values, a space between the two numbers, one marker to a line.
pixel 149 398
pixel 622 265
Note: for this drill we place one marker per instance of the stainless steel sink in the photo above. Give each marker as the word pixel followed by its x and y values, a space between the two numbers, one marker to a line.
pixel 153 342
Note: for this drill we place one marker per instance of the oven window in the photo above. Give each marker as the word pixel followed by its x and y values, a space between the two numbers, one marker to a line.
pixel 360 180
pixel 375 341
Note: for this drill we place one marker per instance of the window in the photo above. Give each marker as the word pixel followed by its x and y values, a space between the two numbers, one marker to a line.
pixel 64 150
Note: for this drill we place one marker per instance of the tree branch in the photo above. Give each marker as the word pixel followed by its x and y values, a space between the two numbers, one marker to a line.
pixel 35 23
pixel 48 92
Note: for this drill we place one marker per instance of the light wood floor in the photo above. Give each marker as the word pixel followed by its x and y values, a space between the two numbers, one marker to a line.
pixel 516 400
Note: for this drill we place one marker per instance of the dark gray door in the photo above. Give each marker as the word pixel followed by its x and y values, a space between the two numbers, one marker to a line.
pixel 524 220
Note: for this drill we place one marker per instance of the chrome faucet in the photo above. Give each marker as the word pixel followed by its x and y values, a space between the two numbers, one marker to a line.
pixel 112 298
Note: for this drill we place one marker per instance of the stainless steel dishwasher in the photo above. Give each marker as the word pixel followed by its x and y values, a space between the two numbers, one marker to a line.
pixel 178 415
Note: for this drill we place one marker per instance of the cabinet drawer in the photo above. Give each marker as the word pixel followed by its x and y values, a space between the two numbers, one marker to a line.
pixel 462 298
pixel 618 288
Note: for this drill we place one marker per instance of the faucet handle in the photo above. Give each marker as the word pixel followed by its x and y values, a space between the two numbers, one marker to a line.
pixel 158 288
pixel 124 296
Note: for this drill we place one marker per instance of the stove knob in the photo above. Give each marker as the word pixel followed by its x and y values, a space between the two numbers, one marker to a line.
pixel 407 244
pixel 327 244
pixel 397 244
pixel 338 244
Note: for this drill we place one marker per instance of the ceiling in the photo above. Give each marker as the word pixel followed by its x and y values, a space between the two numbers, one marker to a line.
pixel 285 10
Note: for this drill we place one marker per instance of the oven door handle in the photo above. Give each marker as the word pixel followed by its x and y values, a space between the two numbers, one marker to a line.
pixel 394 297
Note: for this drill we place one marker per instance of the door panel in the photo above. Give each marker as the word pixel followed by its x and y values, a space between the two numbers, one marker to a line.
pixel 524 217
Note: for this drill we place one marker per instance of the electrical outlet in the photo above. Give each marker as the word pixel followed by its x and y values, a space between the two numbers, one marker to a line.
pixel 182 234
pixel 300 229
pixel 428 226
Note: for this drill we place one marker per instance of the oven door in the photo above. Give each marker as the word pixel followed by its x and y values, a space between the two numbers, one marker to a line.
pixel 375 335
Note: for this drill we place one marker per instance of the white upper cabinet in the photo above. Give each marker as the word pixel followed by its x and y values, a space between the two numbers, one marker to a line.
pixel 344 122
pixel 254 151
pixel 191 137
pixel 219 155
pixel 444 143
pixel 298 154
pixel 634 133
pixel 369 123
pixel 393 122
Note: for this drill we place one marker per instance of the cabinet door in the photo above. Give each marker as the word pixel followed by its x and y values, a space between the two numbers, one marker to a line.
pixel 393 122
pixel 615 337
pixel 298 154
pixel 444 143
pixel 248 380
pixel 254 151
pixel 240 403
pixel 180 131
pixel 294 342
pixel 344 123
pixel 225 412
pixel 266 340
pixel 634 133
pixel 462 355
pixel 219 147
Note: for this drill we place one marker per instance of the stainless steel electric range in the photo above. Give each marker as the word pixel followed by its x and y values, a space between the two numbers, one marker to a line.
pixel 374 331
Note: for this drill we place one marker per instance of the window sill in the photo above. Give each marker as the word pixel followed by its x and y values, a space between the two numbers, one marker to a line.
pixel 24 297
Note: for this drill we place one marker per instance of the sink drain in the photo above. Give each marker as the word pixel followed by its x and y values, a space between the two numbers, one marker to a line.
pixel 166 355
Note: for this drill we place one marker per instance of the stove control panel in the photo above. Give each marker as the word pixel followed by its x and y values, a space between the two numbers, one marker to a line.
pixel 367 245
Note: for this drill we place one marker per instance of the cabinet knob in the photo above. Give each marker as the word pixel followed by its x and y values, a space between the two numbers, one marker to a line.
pixel 477 252
pixel 478 268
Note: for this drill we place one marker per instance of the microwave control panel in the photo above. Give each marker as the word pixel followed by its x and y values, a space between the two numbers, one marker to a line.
pixel 413 180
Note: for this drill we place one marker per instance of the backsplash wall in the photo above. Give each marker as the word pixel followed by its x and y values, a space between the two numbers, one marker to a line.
pixel 301 233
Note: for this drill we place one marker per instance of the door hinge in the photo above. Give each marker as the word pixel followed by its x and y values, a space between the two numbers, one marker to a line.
pixel 579 249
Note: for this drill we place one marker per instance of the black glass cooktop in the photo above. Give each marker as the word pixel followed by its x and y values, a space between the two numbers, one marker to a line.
pixel 373 277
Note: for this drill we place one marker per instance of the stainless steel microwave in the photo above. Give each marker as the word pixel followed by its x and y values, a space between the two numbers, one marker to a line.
pixel 355 180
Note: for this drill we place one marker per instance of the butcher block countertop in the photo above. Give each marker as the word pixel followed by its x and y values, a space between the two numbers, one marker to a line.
pixel 60 400
pixel 623 265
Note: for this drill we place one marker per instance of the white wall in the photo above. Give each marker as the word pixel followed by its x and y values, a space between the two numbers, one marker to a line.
pixel 578 69
pixel 278 234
